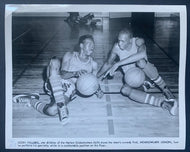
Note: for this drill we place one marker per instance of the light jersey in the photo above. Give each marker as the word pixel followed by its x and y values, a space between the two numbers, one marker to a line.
pixel 125 54
pixel 75 64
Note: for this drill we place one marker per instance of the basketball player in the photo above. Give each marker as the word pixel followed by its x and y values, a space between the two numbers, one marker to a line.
pixel 62 78
pixel 132 53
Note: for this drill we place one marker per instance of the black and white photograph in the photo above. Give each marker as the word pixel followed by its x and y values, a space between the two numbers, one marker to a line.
pixel 95 76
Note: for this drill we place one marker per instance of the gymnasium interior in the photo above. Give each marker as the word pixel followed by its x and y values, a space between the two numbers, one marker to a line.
pixel 36 37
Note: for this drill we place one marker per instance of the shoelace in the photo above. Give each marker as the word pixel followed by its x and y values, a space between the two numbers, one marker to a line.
pixel 167 106
pixel 168 93
pixel 22 99
pixel 25 99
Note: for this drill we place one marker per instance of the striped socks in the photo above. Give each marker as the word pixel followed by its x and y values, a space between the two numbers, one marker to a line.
pixel 152 100
pixel 38 105
pixel 159 82
pixel 145 98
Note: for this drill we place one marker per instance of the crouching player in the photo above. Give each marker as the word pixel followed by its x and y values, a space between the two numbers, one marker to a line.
pixel 132 53
pixel 62 78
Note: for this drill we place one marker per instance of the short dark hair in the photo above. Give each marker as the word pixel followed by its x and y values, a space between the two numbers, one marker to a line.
pixel 127 31
pixel 84 37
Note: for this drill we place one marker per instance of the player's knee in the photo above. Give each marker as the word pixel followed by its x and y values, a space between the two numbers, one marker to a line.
pixel 141 63
pixel 52 111
pixel 126 90
pixel 54 64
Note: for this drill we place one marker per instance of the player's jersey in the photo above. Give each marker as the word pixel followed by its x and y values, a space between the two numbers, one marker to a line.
pixel 127 53
pixel 75 64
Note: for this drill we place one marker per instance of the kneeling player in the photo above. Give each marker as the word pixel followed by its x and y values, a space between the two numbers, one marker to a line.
pixel 62 78
pixel 132 53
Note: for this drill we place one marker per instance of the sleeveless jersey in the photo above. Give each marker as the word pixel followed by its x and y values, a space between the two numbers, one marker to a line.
pixel 125 54
pixel 75 64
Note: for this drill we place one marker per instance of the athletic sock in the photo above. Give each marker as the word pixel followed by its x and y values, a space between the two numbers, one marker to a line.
pixel 38 105
pixel 159 82
pixel 152 100
pixel 142 97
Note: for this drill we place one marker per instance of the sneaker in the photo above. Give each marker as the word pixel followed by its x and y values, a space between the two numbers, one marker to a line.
pixel 148 85
pixel 63 114
pixel 171 106
pixel 25 98
pixel 167 93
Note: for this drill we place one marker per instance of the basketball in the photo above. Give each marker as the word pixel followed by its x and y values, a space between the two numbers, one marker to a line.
pixel 87 84
pixel 134 77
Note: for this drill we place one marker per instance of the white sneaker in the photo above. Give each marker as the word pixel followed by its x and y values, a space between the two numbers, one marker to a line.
pixel 167 93
pixel 63 114
pixel 148 85
pixel 171 106
pixel 25 98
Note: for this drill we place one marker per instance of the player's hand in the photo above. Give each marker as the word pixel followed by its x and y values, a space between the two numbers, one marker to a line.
pixel 99 93
pixel 65 84
pixel 111 71
pixel 81 72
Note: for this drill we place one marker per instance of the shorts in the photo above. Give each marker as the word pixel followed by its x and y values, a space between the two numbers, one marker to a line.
pixel 67 85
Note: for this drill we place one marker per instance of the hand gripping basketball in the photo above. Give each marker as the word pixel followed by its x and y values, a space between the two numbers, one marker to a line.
pixel 69 87
pixel 81 72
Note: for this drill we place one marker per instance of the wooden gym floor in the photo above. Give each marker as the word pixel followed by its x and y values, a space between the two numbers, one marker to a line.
pixel 37 39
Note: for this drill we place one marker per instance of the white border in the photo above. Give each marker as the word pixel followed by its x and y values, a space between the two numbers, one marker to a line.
pixel 12 143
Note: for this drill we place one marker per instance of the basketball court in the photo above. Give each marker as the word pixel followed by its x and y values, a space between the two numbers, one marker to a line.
pixel 37 38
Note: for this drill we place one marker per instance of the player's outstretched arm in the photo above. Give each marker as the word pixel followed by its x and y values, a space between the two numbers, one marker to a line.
pixel 141 53
pixel 108 64
pixel 95 68
pixel 99 93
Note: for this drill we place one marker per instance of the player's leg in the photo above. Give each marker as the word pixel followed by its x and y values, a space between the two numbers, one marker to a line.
pixel 55 90
pixel 140 96
pixel 49 109
pixel 145 98
pixel 34 100
pixel 55 81
pixel 152 72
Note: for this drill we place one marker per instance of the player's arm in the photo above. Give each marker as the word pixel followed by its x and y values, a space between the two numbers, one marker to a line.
pixel 94 67
pixel 109 62
pixel 141 53
pixel 99 93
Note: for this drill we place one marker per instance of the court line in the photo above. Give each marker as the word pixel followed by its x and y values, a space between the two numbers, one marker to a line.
pixel 106 93
pixel 25 32
pixel 111 127
pixel 109 111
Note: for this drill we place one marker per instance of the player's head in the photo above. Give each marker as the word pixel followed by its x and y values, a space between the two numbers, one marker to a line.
pixel 86 43
pixel 124 38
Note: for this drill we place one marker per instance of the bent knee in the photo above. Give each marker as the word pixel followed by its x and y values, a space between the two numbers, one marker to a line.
pixel 53 67
pixel 55 63
pixel 141 63
pixel 52 111
pixel 126 90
